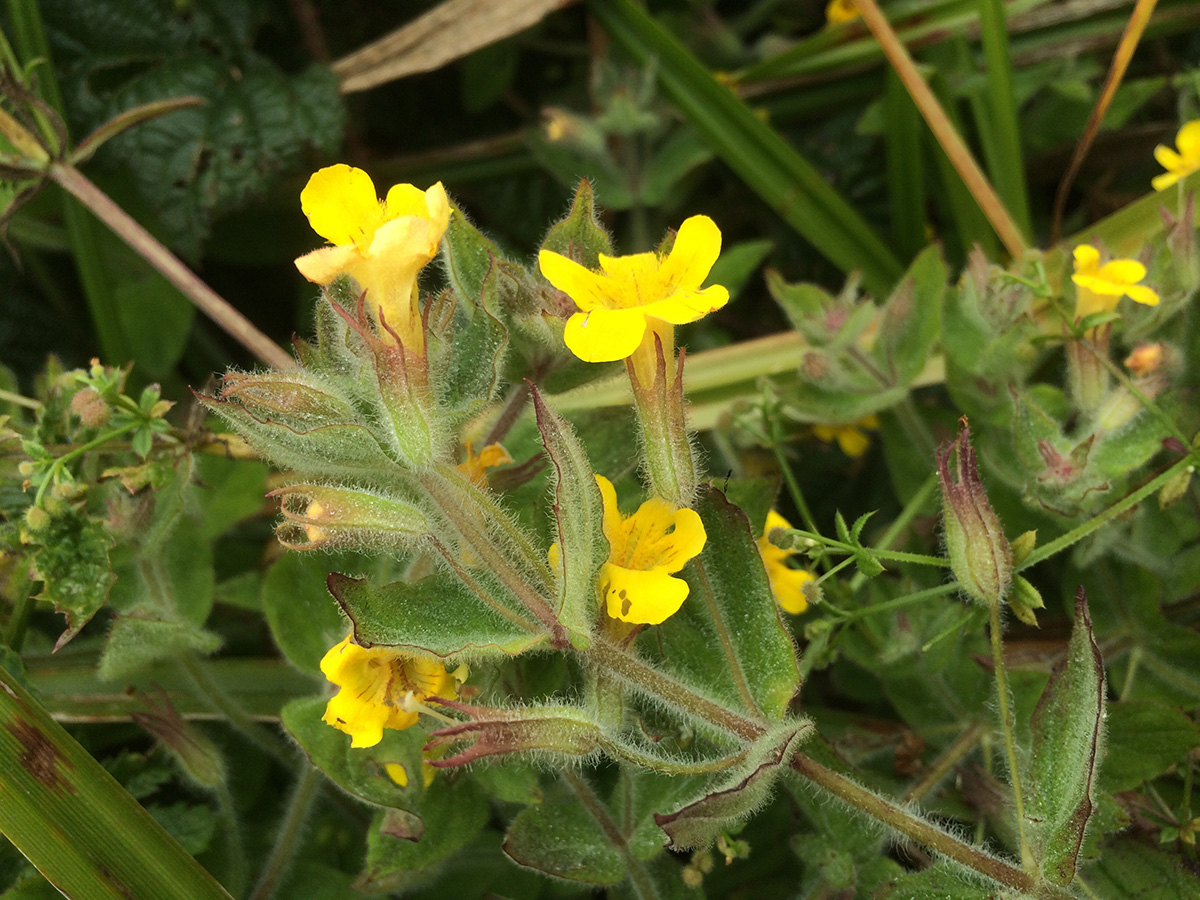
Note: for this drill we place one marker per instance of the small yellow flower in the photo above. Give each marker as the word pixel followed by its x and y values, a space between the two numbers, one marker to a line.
pixel 1102 286
pixel 399 774
pixel 380 244
pixel 851 438
pixel 839 12
pixel 616 302
pixel 475 466
pixel 645 550
pixel 376 684
pixel 787 583
pixel 1181 164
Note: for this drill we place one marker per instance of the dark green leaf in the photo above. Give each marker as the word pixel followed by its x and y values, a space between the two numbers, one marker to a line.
pixel 1129 868
pixel 562 838
pixel 1145 738
pixel 438 614
pixel 136 642
pixel 910 321
pixel 305 620
pixel 1066 751
pixel 71 560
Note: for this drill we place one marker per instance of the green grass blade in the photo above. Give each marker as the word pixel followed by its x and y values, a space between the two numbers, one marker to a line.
pixel 905 167
pixel 1003 149
pixel 755 151
pixel 75 823
pixel 29 38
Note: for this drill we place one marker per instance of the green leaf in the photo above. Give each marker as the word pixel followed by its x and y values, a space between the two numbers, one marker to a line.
pixel 561 838
pixel 359 771
pixel 579 519
pixel 941 881
pixel 1144 739
pixel 71 560
pixel 1130 868
pixel 579 236
pixel 136 642
pixel 727 640
pixel 738 792
pixel 304 619
pixel 229 490
pixel 1066 749
pixel 454 812
pixel 738 263
pixel 753 496
pixel 154 316
pixel 910 321
pixel 438 614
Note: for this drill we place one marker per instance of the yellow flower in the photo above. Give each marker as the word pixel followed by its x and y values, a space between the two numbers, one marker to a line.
pixel 616 302
pixel 1181 164
pixel 1102 286
pixel 645 550
pixel 839 12
pixel 378 685
pixel 851 438
pixel 380 244
pixel 475 466
pixel 787 583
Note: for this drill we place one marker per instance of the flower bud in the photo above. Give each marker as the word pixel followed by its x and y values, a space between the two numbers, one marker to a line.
pixel 93 412
pixel 557 729
pixel 980 556
pixel 329 517
pixel 197 755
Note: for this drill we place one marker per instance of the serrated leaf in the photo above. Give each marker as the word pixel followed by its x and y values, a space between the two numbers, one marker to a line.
pixel 71 560
pixel 1066 744
pixel 359 771
pixel 728 640
pixel 438 615
pixel 1144 739
pixel 579 520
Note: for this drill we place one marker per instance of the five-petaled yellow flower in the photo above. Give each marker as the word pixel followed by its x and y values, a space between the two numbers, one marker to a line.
pixel 645 550
pixel 787 583
pixel 1182 163
pixel 380 244
pixel 840 11
pixel 1100 287
pixel 616 302
pixel 376 684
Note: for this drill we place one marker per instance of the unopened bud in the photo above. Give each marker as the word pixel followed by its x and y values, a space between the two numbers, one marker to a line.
pixel 89 405
pixel 980 556
pixel 36 518
pixel 197 755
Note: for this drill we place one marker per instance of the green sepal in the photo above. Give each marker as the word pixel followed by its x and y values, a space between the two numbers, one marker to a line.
pixel 738 793
pixel 579 522
pixel 727 641
pixel 453 813
pixel 1023 599
pixel 579 236
pixel 1066 743
pixel 359 771
pixel 438 615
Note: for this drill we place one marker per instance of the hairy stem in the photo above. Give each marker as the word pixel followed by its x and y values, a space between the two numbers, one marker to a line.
pixel 1010 743
pixel 284 848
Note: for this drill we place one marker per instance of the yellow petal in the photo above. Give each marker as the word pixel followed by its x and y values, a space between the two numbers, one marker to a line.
pixel 637 273
pixel 1098 285
pixel 1168 158
pixel 685 541
pixel 362 721
pixel 775 520
pixel 341 205
pixel 1158 182
pixel 1188 142
pixel 681 308
pixel 1123 271
pixel 1141 294
pixel 787 585
pixel 612 513
pixel 405 200
pixel 397 773
pixel 1087 259
pixel 697 246
pixel 337 657
pixel 641 597
pixel 324 265
pixel 438 205
pixel 585 287
pixel 1089 302
pixel 852 441
pixel 604 335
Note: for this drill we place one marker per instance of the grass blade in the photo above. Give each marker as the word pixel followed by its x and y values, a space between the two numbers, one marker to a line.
pixel 905 168
pixel 1003 151
pixel 75 823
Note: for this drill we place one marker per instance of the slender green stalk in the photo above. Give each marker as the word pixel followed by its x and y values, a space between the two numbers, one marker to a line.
pixel 284 848
pixel 945 133
pixel 639 878
pixel 20 400
pixel 58 463
pixel 1117 509
pixel 797 495
pixel 23 603
pixel 265 740
pixel 909 825
pixel 910 511
pixel 908 600
pixel 1147 402
pixel 1010 743
pixel 235 845
pixel 893 555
